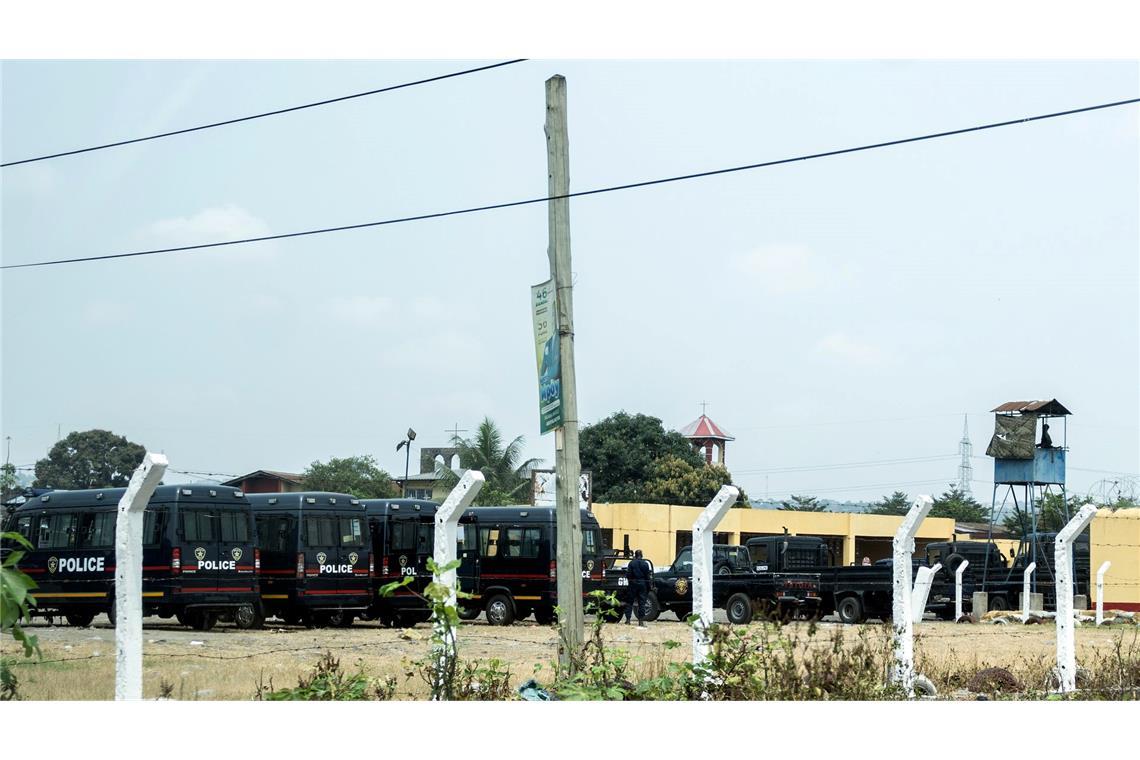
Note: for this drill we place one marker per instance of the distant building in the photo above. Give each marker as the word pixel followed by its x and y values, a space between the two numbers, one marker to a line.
pixel 706 435
pixel 268 481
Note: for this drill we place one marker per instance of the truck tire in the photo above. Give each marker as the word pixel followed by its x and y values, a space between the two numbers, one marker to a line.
pixel 544 615
pixel 652 607
pixel 500 610
pixel 248 616
pixel 739 609
pixel 723 569
pixel 951 563
pixel 79 619
pixel 849 610
pixel 468 613
pixel 999 604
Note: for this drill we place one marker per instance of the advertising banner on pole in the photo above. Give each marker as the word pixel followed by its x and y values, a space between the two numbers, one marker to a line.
pixel 542 297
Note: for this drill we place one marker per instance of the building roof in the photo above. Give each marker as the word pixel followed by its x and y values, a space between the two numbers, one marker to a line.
pixel 1050 407
pixel 704 428
pixel 289 477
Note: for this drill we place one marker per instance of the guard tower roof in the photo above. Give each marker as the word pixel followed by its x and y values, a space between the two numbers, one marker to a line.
pixel 1050 408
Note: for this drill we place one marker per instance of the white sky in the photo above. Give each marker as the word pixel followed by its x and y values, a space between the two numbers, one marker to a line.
pixel 838 311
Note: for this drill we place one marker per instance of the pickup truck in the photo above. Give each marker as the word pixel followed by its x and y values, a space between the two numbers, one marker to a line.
pixel 852 593
pixel 738 589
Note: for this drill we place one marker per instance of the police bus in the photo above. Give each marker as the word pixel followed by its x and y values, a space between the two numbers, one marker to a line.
pixel 316 556
pixel 403 537
pixel 200 562
pixel 508 562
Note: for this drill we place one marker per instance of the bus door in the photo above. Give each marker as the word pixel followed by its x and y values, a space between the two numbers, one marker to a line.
pixel 591 559
pixel 236 549
pixel 352 557
pixel 72 575
pixel 321 546
pixel 198 548
pixel 467 551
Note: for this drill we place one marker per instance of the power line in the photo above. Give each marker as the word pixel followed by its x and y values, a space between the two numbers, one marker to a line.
pixel 579 194
pixel 844 465
pixel 266 113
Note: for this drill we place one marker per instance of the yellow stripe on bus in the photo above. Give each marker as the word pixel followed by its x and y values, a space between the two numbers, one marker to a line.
pixel 529 598
pixel 152 593
pixel 274 596
pixel 85 594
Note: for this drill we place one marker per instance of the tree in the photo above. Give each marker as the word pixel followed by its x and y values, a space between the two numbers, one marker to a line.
pixel 359 476
pixel 959 506
pixel 9 482
pixel 897 503
pixel 803 504
pixel 91 459
pixel 620 452
pixel 672 480
pixel 1051 515
pixel 507 479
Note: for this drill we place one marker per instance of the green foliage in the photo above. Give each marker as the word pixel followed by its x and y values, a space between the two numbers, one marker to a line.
pixel 507 478
pixel 9 481
pixel 1051 514
pixel 672 480
pixel 328 683
pixel 621 451
pixel 897 503
pixel 91 459
pixel 15 596
pixel 359 476
pixel 803 504
pixel 958 505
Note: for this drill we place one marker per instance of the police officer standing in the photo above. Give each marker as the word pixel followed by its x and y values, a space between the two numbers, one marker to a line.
pixel 639 574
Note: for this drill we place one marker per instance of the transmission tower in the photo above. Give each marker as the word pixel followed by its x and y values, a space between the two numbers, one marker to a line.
pixel 965 450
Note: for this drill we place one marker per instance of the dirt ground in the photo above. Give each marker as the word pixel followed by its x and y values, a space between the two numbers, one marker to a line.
pixel 228 664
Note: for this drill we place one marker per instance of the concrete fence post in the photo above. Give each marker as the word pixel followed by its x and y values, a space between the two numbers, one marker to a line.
pixel 128 575
pixel 1100 591
pixel 922 582
pixel 958 589
pixel 1062 562
pixel 702 566
pixel 901 592
pixel 1025 595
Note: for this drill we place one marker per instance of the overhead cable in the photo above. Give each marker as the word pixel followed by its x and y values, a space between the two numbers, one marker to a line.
pixel 579 194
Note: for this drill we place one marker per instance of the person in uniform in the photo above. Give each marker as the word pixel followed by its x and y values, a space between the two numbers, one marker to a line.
pixel 640 575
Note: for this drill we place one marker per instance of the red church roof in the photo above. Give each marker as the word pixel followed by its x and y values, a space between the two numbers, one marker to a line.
pixel 704 428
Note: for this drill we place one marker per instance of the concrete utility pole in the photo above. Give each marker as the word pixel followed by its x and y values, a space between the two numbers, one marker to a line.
pixel 567 465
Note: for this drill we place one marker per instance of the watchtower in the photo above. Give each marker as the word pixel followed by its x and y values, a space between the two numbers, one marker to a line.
pixel 706 435
pixel 1029 462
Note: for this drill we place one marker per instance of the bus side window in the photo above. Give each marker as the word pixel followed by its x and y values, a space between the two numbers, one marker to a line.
pixel 489 542
pixel 62 529
pixel 97 530
pixel 154 524
pixel 198 525
pixel 24 527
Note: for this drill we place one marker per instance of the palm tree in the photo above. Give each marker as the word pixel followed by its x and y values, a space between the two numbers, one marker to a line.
pixel 507 481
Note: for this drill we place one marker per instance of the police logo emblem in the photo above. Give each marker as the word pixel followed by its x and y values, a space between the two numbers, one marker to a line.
pixel 200 553
pixel 235 553
pixel 681 586
pixel 590 565
pixel 352 558
pixel 321 557
pixel 403 561
pixel 53 564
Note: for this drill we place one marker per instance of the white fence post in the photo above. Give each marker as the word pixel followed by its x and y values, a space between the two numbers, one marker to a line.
pixel 1062 563
pixel 901 590
pixel 924 577
pixel 702 566
pixel 1100 591
pixel 1025 590
pixel 958 589
pixel 128 575
pixel 446 525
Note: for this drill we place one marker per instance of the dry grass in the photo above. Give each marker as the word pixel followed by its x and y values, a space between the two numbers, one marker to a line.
pixel 229 664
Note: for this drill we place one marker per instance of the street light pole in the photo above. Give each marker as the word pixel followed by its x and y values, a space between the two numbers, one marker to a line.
pixel 407 443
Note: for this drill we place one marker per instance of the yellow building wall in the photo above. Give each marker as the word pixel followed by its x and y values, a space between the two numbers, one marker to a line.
pixel 1115 537
pixel 653 527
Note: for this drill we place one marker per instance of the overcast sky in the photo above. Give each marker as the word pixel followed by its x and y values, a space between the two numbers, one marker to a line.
pixel 839 311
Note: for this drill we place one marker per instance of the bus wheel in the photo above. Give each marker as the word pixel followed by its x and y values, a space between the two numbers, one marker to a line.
pixel 500 611
pixel 468 613
pixel 80 619
pixel 111 613
pixel 341 618
pixel 544 615
pixel 202 620
pixel 248 616
pixel 739 609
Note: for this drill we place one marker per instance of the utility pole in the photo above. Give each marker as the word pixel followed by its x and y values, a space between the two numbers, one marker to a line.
pixel 567 465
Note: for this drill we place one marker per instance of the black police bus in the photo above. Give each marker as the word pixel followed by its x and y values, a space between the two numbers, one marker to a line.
pixel 403 537
pixel 200 561
pixel 508 562
pixel 316 556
